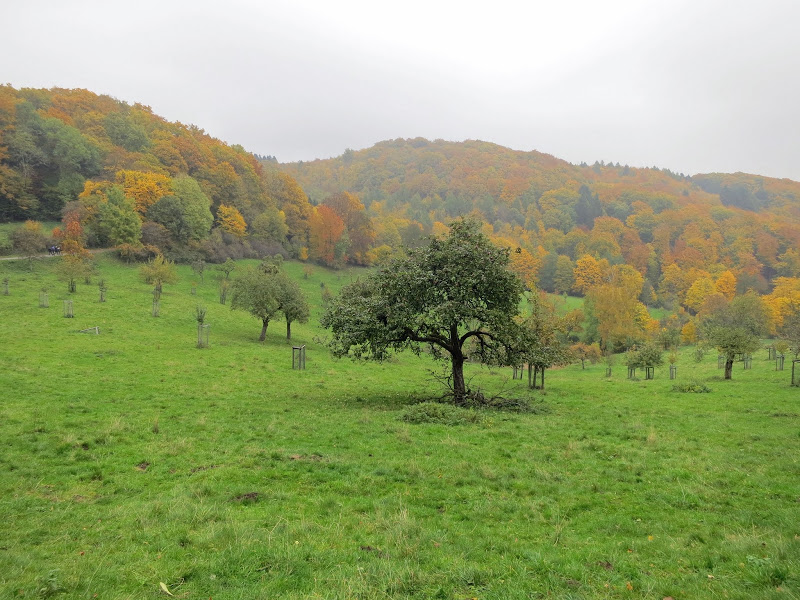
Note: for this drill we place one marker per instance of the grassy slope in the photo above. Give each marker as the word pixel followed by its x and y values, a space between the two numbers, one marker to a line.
pixel 133 458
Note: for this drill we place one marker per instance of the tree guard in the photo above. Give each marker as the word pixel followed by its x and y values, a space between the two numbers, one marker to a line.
pixel 299 357
pixel 202 335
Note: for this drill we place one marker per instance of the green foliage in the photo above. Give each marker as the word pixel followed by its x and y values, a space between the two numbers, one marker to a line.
pixel 117 219
pixel 124 132
pixel 735 327
pixel 266 291
pixel 159 271
pixel 256 290
pixel 442 414
pixel 647 355
pixel 692 387
pixel 292 302
pixel 439 296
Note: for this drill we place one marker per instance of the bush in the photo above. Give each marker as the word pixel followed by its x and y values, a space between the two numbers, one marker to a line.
pixel 136 253
pixel 692 387
pixel 648 355
pixel 443 414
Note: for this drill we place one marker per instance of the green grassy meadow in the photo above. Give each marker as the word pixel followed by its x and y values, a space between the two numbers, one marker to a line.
pixel 133 458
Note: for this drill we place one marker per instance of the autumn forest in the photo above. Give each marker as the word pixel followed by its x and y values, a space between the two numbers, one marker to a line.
pixel 627 239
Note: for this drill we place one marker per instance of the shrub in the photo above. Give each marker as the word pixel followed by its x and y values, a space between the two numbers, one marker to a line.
pixel 648 355
pixel 136 253
pixel 692 387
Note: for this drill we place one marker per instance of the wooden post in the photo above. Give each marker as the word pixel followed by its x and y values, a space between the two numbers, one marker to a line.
pixel 649 372
pixel 779 362
pixel 608 371
pixel 673 371
pixel 748 361
pixel 631 372
pixel 796 372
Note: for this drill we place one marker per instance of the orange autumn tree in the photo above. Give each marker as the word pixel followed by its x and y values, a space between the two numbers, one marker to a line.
pixel 231 221
pixel 325 237
pixel 360 232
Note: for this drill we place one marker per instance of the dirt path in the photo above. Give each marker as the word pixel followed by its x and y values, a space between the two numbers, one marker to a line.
pixel 93 251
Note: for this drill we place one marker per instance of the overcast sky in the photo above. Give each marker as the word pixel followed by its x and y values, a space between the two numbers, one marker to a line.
pixel 691 85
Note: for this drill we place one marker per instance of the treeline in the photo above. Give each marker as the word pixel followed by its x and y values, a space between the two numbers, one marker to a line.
pixel 684 236
pixel 119 175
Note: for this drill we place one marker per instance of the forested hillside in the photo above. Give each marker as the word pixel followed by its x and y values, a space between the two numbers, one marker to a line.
pixel 671 228
pixel 119 175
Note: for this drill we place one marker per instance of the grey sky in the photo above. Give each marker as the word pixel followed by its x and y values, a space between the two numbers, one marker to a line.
pixel 694 86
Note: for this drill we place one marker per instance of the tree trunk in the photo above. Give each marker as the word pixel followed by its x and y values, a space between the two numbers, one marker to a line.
pixel 263 335
pixel 459 387
pixel 583 363
pixel 288 330
pixel 728 367
pixel 542 377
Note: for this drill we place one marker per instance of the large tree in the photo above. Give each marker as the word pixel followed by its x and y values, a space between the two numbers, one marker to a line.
pixel 454 295
pixel 735 327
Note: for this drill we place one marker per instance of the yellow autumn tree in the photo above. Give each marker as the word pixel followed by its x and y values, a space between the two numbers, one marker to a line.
pixel 726 284
pixel 689 333
pixel 525 265
pixel 783 301
pixel 231 220
pixel 698 292
pixel 589 272
pixel 144 188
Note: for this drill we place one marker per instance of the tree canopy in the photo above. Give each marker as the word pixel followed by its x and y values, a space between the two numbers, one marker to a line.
pixel 454 290
pixel 736 327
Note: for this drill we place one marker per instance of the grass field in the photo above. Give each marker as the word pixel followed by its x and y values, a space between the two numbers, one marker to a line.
pixel 132 458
